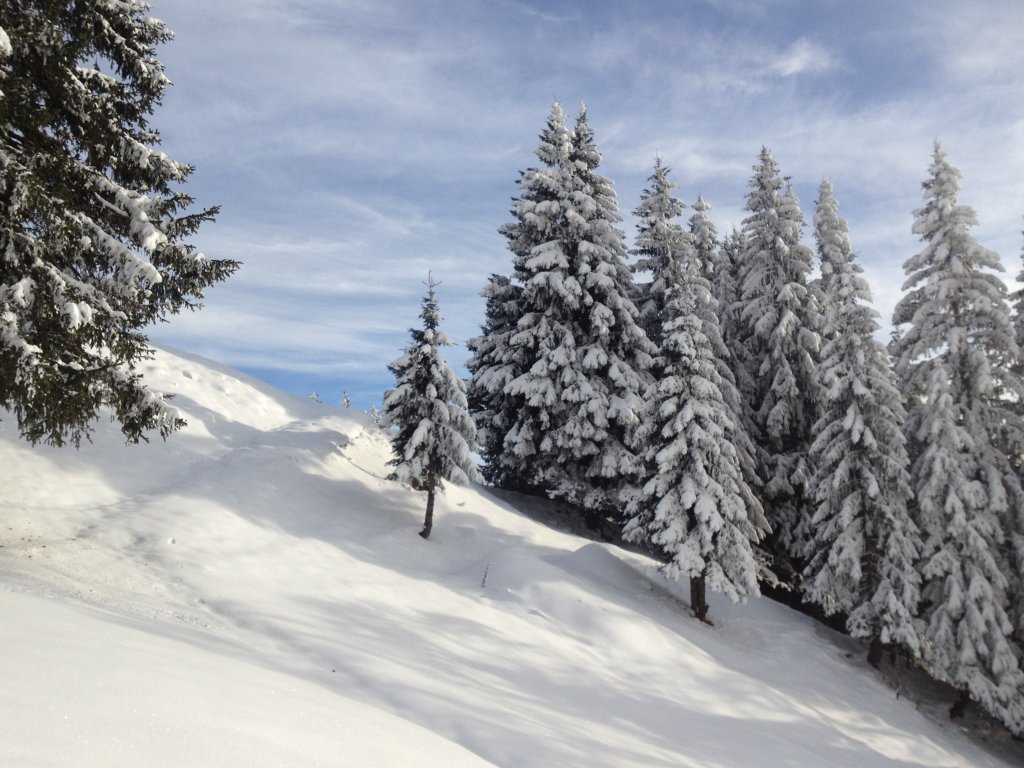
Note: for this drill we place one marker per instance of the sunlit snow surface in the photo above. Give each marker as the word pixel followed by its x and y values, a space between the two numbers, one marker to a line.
pixel 253 592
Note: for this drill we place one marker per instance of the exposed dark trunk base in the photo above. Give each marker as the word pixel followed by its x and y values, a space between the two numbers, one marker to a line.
pixel 428 522
pixel 698 598
pixel 875 649
pixel 960 705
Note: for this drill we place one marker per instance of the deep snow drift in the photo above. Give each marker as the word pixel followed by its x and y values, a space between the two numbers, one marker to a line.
pixel 253 592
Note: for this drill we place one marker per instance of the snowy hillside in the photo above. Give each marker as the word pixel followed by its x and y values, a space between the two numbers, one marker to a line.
pixel 253 593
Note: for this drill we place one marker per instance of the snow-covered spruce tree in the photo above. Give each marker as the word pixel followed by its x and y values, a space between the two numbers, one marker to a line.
pixel 585 357
pixel 92 230
pixel 428 406
pixel 494 364
pixel 1016 454
pixel 694 506
pixel 725 286
pixel 540 189
pixel 955 336
pixel 1017 309
pixel 660 242
pixel 863 553
pixel 705 254
pixel 777 352
pixel 704 238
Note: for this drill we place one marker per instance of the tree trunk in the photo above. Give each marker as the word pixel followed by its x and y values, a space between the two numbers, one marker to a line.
pixel 428 522
pixel 698 598
pixel 875 651
pixel 960 705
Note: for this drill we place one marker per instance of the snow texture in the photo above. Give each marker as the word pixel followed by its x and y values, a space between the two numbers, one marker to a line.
pixel 253 592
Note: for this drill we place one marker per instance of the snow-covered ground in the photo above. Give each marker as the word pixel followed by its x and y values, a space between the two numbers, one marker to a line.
pixel 253 592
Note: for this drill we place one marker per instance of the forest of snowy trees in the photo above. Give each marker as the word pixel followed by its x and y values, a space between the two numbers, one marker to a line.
pixel 726 401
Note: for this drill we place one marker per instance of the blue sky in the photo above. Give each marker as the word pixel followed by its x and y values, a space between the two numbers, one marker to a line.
pixel 355 145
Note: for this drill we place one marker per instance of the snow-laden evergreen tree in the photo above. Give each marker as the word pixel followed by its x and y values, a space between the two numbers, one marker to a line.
pixel 660 242
pixel 695 507
pixel 93 227
pixel 513 454
pixel 435 433
pixel 863 554
pixel 585 357
pixel 777 352
pixel 668 252
pixel 707 261
pixel 725 285
pixel 951 355
pixel 494 364
pixel 967 635
pixel 1017 308
pixel 704 238
pixel 1016 455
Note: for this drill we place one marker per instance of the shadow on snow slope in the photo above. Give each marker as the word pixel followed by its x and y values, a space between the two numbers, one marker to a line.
pixel 266 531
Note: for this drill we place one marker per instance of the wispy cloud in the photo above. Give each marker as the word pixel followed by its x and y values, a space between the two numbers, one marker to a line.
pixel 802 57
pixel 356 145
pixel 542 14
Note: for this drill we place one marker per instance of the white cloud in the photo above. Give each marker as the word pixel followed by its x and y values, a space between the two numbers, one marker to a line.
pixel 357 144
pixel 802 57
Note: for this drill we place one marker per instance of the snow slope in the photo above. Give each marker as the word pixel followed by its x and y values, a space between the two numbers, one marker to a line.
pixel 253 592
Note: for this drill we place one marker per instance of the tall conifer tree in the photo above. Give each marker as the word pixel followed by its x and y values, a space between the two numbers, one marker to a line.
pixel 585 357
pixel 777 349
pixel 706 256
pixel 862 556
pixel 956 336
pixel 694 507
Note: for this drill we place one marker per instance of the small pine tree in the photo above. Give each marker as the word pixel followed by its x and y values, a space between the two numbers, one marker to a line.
pixel 93 235
pixel 956 338
pixel 428 405
pixel 862 557
pixel 694 505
